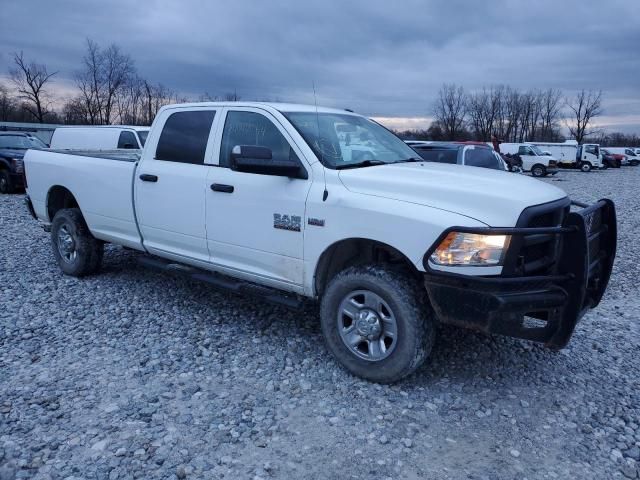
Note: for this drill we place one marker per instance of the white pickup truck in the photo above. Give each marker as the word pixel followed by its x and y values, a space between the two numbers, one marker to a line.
pixel 262 199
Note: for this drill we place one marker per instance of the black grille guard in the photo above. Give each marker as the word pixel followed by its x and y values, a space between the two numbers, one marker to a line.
pixel 584 257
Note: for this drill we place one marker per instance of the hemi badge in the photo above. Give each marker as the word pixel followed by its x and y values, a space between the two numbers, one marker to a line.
pixel 316 222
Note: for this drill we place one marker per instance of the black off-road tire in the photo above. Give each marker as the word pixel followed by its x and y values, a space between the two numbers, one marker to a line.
pixel 6 185
pixel 416 324
pixel 538 170
pixel 89 250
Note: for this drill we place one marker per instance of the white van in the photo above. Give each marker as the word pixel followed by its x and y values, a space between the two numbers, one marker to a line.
pixel 633 158
pixel 109 137
pixel 533 159
pixel 572 155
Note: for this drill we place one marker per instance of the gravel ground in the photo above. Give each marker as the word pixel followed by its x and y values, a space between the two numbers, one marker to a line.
pixel 135 374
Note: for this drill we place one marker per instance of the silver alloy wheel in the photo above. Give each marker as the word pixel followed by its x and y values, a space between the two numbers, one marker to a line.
pixel 367 325
pixel 66 245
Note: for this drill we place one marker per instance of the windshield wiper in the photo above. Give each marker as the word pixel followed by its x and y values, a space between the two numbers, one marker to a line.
pixel 364 163
pixel 410 159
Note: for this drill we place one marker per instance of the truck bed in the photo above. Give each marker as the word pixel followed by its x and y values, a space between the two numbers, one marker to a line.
pixel 101 182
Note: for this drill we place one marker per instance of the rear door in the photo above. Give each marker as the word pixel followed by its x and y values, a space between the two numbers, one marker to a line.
pixel 171 183
pixel 255 222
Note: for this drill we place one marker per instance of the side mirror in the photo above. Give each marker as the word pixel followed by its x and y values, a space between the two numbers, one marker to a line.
pixel 259 160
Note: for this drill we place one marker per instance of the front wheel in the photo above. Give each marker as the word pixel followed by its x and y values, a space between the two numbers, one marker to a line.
pixel 585 167
pixel 377 322
pixel 77 252
pixel 634 163
pixel 538 171
pixel 6 186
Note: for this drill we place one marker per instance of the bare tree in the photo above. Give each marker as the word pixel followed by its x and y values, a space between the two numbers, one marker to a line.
pixel 449 110
pixel 584 107
pixel 551 104
pixel 30 80
pixel 105 74
pixel 7 104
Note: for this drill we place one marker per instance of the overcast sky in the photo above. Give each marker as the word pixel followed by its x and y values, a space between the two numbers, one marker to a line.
pixel 381 58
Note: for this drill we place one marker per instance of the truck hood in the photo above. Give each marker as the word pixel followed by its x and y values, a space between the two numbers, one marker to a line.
pixel 489 196
pixel 12 153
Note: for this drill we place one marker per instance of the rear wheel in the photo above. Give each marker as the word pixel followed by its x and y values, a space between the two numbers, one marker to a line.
pixel 538 170
pixel 6 185
pixel 377 322
pixel 77 252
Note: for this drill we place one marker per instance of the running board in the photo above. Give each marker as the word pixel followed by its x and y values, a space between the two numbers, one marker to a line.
pixel 222 282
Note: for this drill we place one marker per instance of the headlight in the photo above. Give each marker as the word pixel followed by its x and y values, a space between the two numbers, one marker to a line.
pixel 471 249
pixel 18 165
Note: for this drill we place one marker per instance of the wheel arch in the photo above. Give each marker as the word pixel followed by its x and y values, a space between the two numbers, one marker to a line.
pixel 356 251
pixel 59 197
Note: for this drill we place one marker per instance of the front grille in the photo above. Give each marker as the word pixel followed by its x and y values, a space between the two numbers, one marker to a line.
pixel 537 254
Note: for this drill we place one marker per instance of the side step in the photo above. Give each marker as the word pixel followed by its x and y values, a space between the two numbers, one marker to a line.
pixel 222 282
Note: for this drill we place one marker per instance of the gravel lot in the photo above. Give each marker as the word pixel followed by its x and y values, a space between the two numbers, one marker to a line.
pixel 135 374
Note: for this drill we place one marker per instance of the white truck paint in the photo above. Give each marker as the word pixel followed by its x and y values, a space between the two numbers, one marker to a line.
pixel 101 137
pixel 271 194
pixel 533 159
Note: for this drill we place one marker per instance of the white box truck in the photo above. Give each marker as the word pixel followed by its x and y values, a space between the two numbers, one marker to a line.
pixel 572 155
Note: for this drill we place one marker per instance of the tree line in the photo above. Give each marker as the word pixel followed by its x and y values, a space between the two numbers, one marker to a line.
pixel 109 90
pixel 511 115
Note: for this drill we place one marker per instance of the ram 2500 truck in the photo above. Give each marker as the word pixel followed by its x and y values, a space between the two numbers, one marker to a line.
pixel 278 200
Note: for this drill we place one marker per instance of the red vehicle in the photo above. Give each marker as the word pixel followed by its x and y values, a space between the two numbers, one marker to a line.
pixel 613 160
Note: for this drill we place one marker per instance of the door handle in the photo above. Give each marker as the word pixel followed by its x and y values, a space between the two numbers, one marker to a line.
pixel 145 177
pixel 219 187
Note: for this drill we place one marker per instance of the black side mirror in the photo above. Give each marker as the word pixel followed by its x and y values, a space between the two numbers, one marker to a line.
pixel 259 160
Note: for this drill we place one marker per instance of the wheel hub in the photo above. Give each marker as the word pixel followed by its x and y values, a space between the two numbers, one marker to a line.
pixel 368 324
pixel 66 244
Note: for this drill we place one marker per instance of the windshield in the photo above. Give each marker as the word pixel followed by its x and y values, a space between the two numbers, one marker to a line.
pixel 345 140
pixel 20 142
pixel 142 135
pixel 536 150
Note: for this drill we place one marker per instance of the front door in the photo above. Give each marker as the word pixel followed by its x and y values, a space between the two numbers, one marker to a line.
pixel 171 187
pixel 255 222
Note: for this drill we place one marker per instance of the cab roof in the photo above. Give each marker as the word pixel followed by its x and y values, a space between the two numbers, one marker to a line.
pixel 281 107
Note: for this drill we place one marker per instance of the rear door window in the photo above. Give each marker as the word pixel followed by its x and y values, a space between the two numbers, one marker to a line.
pixel 127 140
pixel 184 137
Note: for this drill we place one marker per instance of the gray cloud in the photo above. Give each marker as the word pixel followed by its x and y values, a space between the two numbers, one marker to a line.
pixel 381 58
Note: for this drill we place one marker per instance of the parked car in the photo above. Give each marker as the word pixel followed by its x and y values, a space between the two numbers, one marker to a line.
pixel 613 160
pixel 461 153
pixel 111 137
pixel 532 158
pixel 632 158
pixel 267 200
pixel 13 146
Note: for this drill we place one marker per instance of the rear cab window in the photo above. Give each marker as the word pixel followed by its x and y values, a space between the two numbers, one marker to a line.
pixel 481 157
pixel 439 155
pixel 127 139
pixel 184 137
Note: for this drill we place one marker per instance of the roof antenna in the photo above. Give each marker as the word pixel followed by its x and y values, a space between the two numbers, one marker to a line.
pixel 325 194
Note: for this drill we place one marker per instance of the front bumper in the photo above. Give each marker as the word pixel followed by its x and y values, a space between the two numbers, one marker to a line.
pixel 543 308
